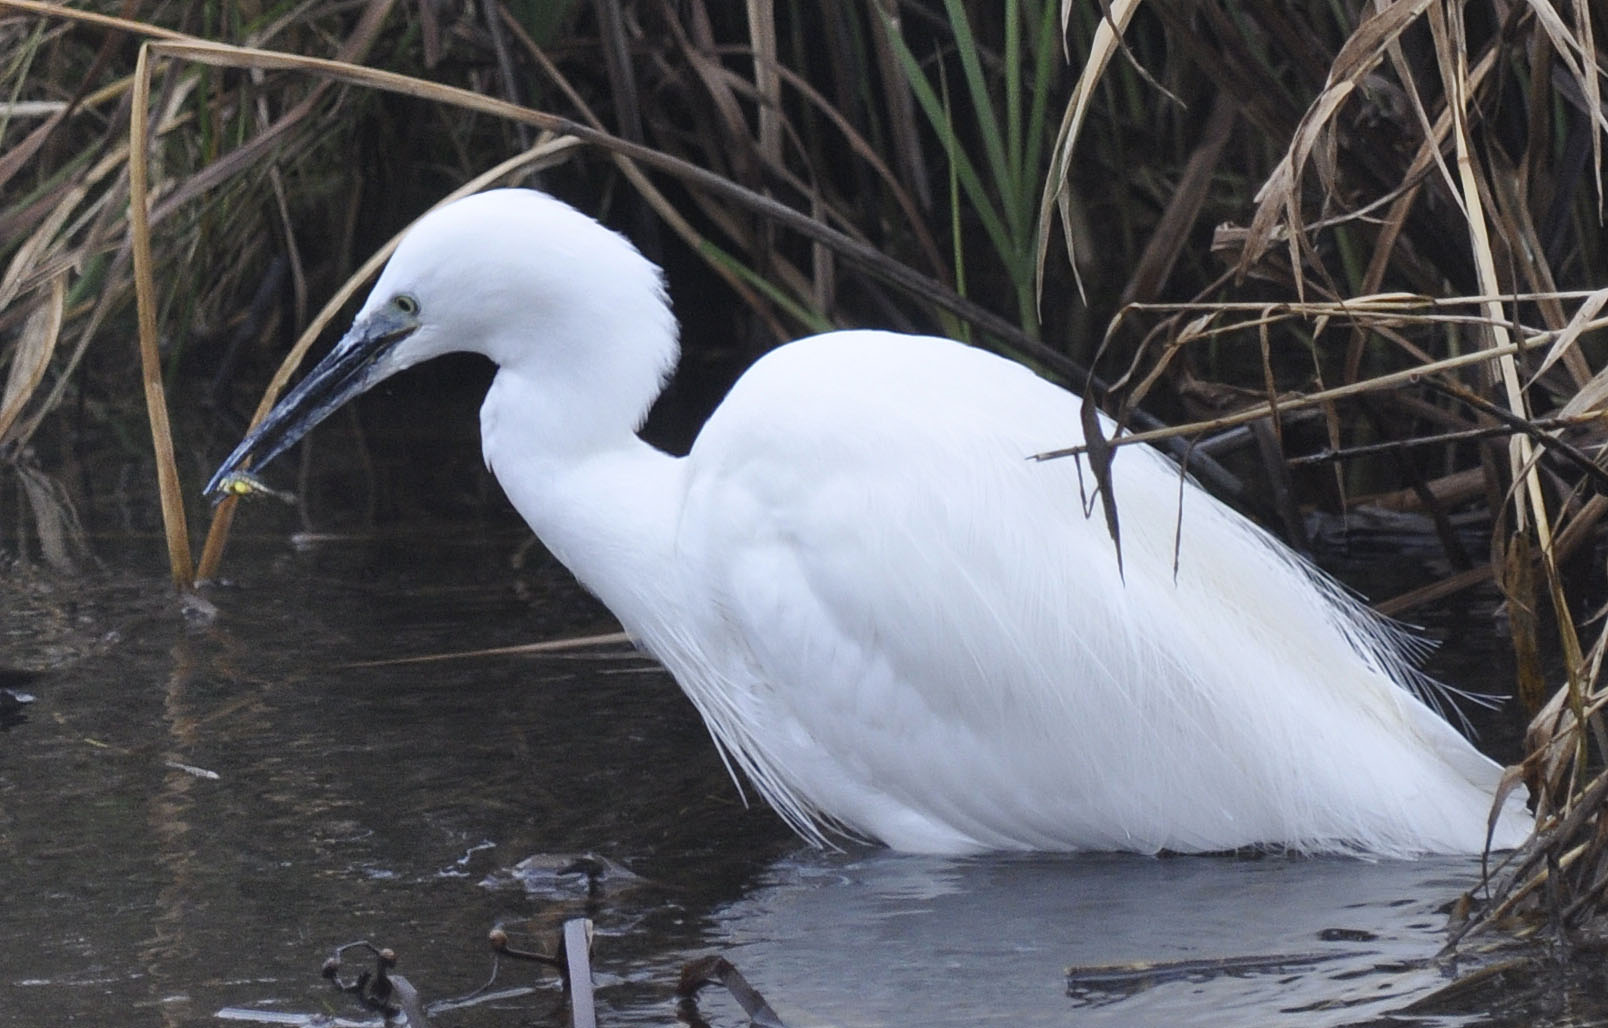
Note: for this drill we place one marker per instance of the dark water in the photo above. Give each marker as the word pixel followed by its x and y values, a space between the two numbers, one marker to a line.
pixel 201 808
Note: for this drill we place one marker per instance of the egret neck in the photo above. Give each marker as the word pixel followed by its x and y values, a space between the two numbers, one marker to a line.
pixel 601 500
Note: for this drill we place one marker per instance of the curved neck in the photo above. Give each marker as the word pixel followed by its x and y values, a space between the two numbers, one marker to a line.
pixel 604 502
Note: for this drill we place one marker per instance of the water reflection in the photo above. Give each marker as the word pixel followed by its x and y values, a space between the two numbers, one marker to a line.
pixel 43 518
pixel 881 938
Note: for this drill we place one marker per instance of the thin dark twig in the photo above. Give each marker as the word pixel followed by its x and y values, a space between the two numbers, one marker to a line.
pixel 1541 437
pixel 1392 446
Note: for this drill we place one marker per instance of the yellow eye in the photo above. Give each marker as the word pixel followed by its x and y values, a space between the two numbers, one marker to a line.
pixel 406 303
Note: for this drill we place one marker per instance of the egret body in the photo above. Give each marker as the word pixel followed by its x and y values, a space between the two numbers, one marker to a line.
pixel 893 621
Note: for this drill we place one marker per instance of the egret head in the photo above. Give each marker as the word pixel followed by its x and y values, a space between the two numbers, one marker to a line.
pixel 513 274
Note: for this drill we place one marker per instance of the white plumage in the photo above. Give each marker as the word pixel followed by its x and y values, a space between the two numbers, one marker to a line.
pixel 893 621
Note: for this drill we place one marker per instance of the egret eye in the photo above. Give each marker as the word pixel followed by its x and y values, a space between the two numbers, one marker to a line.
pixel 406 303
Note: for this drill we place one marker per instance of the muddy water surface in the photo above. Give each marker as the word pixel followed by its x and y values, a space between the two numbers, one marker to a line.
pixel 202 805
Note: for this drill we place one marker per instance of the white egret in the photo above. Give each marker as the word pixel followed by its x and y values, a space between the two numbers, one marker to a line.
pixel 891 620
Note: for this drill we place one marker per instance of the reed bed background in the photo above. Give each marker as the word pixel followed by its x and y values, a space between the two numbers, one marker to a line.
pixel 1354 252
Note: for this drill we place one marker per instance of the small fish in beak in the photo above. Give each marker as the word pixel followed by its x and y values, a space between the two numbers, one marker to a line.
pixel 349 370
pixel 245 484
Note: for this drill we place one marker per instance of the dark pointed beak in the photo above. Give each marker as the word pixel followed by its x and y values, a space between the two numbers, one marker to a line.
pixel 346 372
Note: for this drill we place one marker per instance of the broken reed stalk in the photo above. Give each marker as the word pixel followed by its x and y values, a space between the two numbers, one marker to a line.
pixel 578 964
pixel 717 970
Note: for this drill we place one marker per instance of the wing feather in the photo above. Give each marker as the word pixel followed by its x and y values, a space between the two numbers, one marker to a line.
pixel 924 636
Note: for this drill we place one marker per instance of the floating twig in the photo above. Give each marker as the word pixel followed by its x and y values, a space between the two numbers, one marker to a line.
pixel 549 646
pixel 379 990
pixel 573 962
pixel 717 970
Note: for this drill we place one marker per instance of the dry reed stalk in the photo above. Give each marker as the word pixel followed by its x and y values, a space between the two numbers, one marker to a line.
pixel 167 475
pixel 767 82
